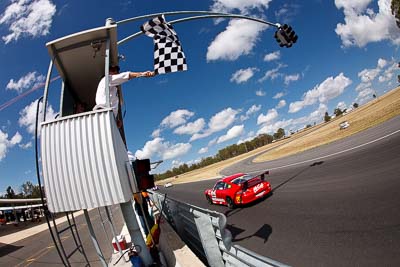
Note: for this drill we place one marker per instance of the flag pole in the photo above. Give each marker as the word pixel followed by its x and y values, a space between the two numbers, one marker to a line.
pixel 207 15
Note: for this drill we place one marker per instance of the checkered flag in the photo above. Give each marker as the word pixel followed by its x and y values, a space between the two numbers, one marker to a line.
pixel 168 53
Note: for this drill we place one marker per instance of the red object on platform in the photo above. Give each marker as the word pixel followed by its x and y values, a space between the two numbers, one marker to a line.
pixel 121 241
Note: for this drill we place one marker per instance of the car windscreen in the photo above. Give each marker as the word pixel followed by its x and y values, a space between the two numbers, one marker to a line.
pixel 242 179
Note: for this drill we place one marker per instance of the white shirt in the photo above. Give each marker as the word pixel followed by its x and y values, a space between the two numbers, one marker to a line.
pixel 114 81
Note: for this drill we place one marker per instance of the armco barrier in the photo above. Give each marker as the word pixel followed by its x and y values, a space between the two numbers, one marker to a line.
pixel 205 233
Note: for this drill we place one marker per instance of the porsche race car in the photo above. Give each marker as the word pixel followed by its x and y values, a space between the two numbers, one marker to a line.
pixel 238 189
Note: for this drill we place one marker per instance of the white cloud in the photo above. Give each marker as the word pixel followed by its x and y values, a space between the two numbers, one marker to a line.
pixel 382 63
pixel 272 128
pixel 218 122
pixel 278 95
pixel 163 149
pixel 203 150
pixel 176 150
pixel 388 73
pixel 281 104
pixel 25 146
pixel 6 143
pixel 27 18
pixel 243 75
pixel 191 127
pixel 260 93
pixel 328 89
pixel 271 115
pixel 232 133
pixel 222 119
pixel 250 136
pixel 314 116
pixel 176 163
pixel 151 148
pixel 291 78
pixel 193 161
pixel 238 39
pixel 287 12
pixel 197 136
pixel 272 74
pixel 272 56
pixel 156 133
pixel 16 139
pixel 297 106
pixel 25 82
pixel 28 116
pixel 363 86
pixel 64 7
pixel 226 6
pixel 363 25
pixel 368 75
pixel 253 109
pixel 364 95
pixel 342 105
pixel 212 142
pixel 176 118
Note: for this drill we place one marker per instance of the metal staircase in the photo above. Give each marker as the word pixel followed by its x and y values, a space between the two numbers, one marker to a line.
pixel 55 233
pixel 58 241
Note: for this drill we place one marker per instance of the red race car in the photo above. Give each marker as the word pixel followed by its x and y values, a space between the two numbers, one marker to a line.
pixel 238 189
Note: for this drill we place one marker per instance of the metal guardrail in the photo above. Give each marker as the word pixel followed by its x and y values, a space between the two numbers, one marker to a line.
pixel 205 233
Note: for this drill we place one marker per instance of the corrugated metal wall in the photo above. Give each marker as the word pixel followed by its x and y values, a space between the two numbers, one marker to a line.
pixel 84 162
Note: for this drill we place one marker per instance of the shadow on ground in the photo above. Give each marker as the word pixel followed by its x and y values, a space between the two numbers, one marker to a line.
pixel 6 249
pixel 263 232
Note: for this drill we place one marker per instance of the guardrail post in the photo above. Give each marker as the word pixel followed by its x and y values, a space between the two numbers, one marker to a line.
pixel 208 239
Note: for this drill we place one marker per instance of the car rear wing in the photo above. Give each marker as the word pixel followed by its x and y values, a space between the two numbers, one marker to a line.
pixel 261 176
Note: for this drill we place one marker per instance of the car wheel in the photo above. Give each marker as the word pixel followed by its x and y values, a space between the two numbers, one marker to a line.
pixel 209 200
pixel 230 203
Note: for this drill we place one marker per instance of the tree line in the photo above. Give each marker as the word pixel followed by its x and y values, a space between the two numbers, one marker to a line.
pixel 337 112
pixel 223 154
pixel 27 190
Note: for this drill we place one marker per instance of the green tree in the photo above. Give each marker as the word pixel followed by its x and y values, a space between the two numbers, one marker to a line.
pixel 279 134
pixel 27 189
pixel 10 192
pixel 30 190
pixel 36 192
pixel 327 117
pixel 338 112
pixel 395 6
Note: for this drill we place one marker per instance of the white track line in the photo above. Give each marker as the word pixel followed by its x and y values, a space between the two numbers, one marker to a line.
pixel 330 155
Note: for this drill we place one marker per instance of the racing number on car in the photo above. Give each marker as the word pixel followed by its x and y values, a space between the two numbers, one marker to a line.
pixel 213 194
pixel 258 187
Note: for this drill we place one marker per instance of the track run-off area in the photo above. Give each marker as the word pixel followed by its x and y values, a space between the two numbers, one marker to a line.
pixel 335 205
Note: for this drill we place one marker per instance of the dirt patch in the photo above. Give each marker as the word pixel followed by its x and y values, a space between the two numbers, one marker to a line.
pixel 360 119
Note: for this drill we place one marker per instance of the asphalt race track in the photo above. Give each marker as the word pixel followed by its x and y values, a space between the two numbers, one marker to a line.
pixel 336 205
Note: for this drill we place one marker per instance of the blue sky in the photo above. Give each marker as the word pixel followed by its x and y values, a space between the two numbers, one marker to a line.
pixel 239 82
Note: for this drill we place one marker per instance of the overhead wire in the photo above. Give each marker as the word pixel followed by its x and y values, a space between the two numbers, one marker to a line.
pixel 24 94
